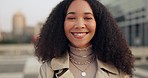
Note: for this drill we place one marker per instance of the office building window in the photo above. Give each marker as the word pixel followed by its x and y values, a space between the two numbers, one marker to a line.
pixel 137 30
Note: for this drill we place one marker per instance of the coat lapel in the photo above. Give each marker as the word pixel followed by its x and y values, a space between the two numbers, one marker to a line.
pixel 63 63
pixel 99 74
pixel 60 63
pixel 67 74
pixel 104 69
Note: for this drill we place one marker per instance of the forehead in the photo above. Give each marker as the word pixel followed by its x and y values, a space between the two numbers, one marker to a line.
pixel 79 6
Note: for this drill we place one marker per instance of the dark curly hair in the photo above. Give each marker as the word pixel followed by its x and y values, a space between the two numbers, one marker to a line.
pixel 108 43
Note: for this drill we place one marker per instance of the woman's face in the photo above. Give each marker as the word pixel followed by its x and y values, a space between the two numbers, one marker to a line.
pixel 80 24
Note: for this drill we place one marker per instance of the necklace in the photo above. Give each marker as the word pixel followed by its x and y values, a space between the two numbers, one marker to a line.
pixel 83 72
pixel 81 63
pixel 81 56
pixel 81 49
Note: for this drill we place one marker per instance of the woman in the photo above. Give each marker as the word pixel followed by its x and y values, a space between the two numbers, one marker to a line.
pixel 80 39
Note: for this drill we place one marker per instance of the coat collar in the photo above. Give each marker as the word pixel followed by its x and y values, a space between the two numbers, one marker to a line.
pixel 60 63
pixel 107 67
pixel 63 62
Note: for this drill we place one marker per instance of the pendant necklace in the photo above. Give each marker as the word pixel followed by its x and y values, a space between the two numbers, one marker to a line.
pixel 83 73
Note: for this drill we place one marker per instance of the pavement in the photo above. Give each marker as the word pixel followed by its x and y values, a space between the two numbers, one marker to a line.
pixel 28 67
pixel 19 67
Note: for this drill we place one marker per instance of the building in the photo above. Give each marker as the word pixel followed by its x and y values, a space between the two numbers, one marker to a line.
pixel 21 33
pixel 38 28
pixel 29 31
pixel 7 35
pixel 1 37
pixel 132 17
pixel 37 31
pixel 18 24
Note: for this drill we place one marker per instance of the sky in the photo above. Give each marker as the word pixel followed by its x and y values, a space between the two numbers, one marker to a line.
pixel 34 11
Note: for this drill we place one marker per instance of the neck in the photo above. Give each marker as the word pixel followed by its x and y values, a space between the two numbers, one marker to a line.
pixel 81 51
pixel 81 55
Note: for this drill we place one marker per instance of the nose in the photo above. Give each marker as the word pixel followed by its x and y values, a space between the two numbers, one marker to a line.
pixel 80 24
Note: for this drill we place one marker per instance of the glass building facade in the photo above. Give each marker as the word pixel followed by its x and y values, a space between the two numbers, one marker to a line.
pixel 132 17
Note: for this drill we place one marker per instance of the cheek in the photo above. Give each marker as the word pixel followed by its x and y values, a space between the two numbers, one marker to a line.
pixel 67 28
pixel 92 27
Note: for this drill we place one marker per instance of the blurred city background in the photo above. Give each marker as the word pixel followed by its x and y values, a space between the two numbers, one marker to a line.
pixel 21 21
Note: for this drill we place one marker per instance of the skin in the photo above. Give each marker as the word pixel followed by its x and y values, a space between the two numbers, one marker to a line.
pixel 80 24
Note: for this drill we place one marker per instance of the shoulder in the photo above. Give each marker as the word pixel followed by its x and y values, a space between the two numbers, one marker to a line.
pixel 46 66
pixel 46 71
pixel 124 75
pixel 111 70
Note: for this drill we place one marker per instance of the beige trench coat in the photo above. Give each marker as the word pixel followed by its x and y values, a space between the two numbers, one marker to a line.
pixel 104 70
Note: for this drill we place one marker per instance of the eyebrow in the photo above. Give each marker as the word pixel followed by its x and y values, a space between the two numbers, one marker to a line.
pixel 71 13
pixel 88 13
pixel 75 13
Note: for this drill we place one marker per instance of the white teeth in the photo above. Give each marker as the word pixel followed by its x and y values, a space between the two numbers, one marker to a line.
pixel 79 34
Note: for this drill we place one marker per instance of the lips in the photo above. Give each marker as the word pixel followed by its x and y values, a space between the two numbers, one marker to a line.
pixel 79 35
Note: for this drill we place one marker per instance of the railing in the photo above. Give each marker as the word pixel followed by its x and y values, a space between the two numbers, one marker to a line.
pixel 140 53
pixel 17 49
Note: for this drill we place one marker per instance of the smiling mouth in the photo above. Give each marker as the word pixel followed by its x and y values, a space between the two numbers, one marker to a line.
pixel 79 35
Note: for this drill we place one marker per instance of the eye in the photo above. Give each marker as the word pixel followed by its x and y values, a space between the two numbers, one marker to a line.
pixel 88 18
pixel 71 18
